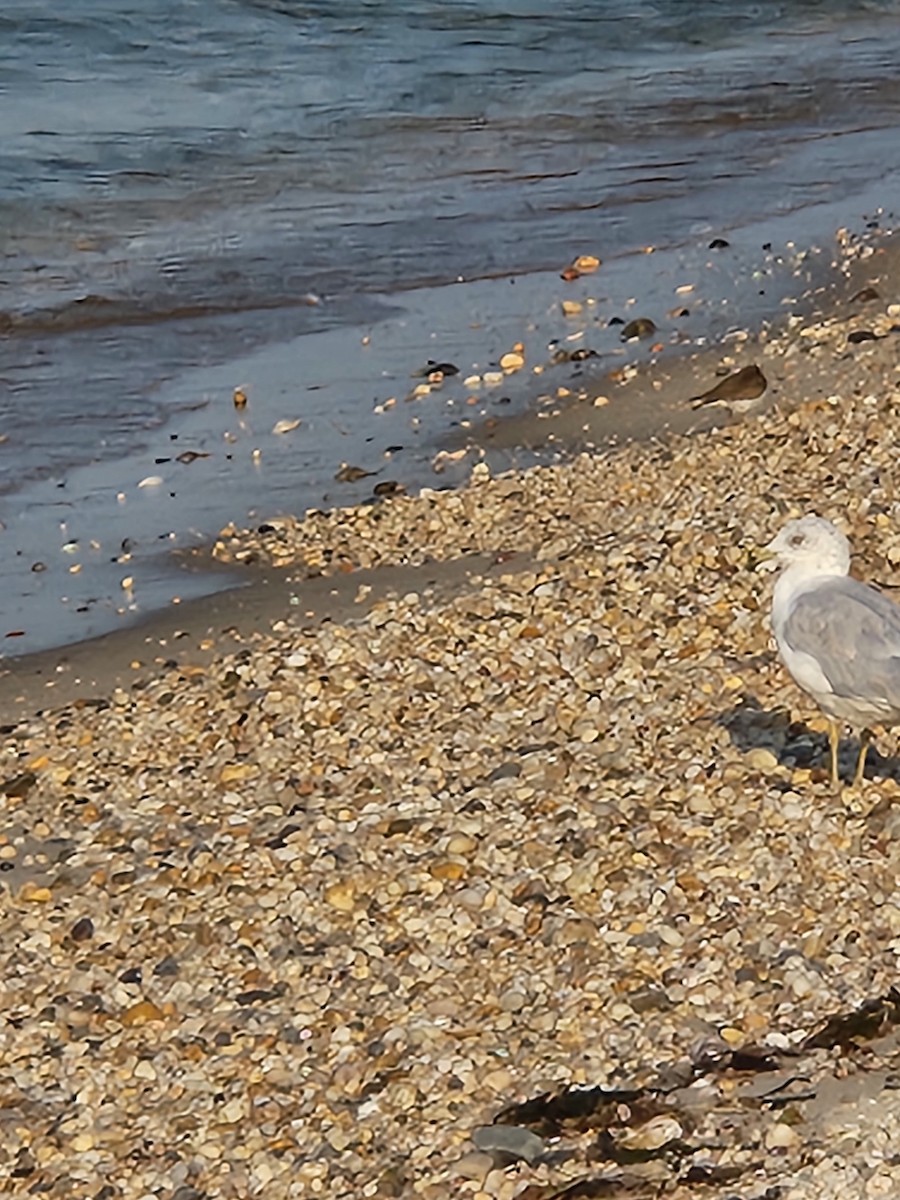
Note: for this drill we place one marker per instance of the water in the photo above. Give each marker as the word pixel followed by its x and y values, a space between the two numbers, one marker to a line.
pixel 186 184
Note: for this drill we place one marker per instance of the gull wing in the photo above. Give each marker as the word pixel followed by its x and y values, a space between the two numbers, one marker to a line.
pixel 853 632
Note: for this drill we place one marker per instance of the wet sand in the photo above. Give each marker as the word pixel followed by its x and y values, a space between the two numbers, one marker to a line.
pixel 299 917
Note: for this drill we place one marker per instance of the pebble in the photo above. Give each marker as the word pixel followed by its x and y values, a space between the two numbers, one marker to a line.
pixel 341 895
pixel 475 1165
pixel 510 1142
pixel 761 759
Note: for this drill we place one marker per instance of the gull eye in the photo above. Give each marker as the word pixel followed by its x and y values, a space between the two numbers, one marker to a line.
pixel 797 540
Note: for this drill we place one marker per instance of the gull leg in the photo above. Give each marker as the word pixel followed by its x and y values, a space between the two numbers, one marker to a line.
pixel 834 737
pixel 865 738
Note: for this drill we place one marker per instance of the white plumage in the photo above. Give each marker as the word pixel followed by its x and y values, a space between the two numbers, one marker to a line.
pixel 839 638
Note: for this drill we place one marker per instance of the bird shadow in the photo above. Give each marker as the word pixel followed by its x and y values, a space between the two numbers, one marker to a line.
pixel 795 745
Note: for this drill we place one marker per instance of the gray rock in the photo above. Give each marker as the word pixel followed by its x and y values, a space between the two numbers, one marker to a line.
pixel 508 1143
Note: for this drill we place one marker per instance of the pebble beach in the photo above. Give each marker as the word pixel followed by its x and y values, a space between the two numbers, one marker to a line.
pixel 555 845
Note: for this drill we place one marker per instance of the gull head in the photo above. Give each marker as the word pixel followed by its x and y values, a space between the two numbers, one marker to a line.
pixel 812 546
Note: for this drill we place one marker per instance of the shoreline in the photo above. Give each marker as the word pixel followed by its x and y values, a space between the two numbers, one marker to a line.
pixel 553 433
pixel 208 463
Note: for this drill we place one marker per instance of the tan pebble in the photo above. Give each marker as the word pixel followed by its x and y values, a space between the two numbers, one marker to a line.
pixel 732 1036
pixel 761 759
pixel 234 1111
pixel 341 895
pixel 473 1166
pixel 83 1142
pixel 141 1013
pixel 32 892
pixel 699 802
pixel 461 843
pixel 512 361
pixel 571 308
pixel 497 1080
pixel 447 869
pixel 286 425
pixel 144 1070
pixel 657 1132
pixel 234 772
pixel 338 1139
pixel 586 263
pixel 781 1137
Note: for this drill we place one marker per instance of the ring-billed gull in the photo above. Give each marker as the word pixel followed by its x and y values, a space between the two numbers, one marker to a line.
pixel 839 638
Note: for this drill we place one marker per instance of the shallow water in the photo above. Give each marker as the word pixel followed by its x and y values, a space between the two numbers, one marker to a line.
pixel 185 184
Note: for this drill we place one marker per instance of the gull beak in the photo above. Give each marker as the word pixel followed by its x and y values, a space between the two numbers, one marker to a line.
pixel 761 558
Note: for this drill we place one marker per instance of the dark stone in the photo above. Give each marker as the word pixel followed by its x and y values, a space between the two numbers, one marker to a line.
pixel 507 770
pixel 640 327
pixel 399 825
pixel 650 999
pixel 82 930
pixel 19 785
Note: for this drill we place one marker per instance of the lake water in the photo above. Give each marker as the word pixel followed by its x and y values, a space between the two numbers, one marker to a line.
pixel 199 195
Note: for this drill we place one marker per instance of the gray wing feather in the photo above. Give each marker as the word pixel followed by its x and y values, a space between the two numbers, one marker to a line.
pixel 853 632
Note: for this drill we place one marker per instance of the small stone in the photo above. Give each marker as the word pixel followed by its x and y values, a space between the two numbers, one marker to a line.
pixel 761 759
pixel 141 1013
pixel 82 1142
pixel 640 327
pixel 781 1137
pixel 82 930
pixel 235 772
pixel 447 870
pixel 512 361
pixel 36 894
pixel 286 425
pixel 586 263
pixel 474 1165
pixel 732 1036
pixel 338 1139
pixel 144 1070
pixel 508 1143
pixel 341 895
pixel 653 1134
pixel 461 843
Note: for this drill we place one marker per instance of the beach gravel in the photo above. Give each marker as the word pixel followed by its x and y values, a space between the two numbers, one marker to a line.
pixel 298 922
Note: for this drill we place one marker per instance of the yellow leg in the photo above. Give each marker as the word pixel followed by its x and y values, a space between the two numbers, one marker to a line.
pixel 834 737
pixel 864 739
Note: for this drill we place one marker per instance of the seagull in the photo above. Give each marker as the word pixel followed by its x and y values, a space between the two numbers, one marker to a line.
pixel 839 638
